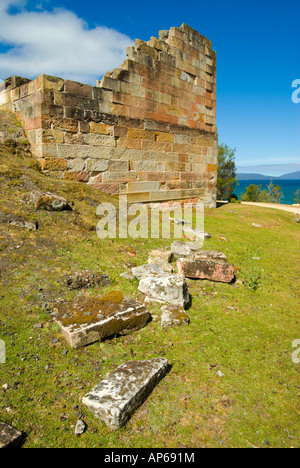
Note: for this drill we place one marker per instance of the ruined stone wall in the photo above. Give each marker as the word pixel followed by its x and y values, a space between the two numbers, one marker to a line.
pixel 148 129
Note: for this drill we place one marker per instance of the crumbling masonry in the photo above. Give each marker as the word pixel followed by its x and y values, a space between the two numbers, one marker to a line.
pixel 147 130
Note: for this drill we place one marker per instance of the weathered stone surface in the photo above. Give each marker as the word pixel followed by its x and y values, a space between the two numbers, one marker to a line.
pixel 210 255
pixel 49 202
pixel 9 436
pixel 166 289
pixel 206 269
pixel 115 398
pixel 173 316
pixel 144 271
pixel 162 263
pixel 180 249
pixel 160 253
pixel 92 319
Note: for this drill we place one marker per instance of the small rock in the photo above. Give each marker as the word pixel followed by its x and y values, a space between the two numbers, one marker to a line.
pixel 180 249
pixel 256 225
pixel 173 316
pixel 145 271
pixel 80 427
pixel 127 275
pixel 220 374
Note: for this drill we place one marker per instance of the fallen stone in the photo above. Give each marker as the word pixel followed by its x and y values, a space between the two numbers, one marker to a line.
pixel 206 269
pixel 297 220
pixel 49 202
pixel 144 271
pixel 180 249
pixel 173 316
pixel 181 222
pixel 80 427
pixel 86 279
pixel 127 275
pixel 110 314
pixel 196 232
pixel 9 436
pixel 160 253
pixel 170 289
pixel 162 263
pixel 21 223
pixel 115 398
pixel 210 255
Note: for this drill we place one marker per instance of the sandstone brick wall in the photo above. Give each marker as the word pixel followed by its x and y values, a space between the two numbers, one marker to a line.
pixel 148 129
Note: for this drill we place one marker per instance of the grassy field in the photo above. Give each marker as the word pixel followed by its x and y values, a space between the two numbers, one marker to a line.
pixel 245 329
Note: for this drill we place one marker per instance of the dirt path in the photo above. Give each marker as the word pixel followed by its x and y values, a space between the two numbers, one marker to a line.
pixel 290 208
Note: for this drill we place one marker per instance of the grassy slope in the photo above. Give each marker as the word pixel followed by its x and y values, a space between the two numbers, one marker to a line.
pixel 247 335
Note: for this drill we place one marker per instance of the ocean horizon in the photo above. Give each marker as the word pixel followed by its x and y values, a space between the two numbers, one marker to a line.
pixel 288 188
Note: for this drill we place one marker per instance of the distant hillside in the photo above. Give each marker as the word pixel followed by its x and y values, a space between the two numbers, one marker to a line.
pixel 290 176
pixel 255 176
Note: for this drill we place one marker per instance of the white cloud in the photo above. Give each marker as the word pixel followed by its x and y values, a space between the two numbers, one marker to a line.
pixel 57 43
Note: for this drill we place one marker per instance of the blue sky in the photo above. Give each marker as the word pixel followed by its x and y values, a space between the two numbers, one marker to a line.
pixel 258 57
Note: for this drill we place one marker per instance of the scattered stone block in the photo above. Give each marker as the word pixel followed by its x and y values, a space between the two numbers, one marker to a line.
pixel 170 289
pixel 180 249
pixel 144 271
pixel 95 318
pixel 49 202
pixel 173 316
pixel 9 436
pixel 206 269
pixel 162 263
pixel 210 255
pixel 160 253
pixel 115 398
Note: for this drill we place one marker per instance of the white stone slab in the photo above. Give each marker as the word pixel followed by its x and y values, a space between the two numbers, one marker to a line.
pixel 115 398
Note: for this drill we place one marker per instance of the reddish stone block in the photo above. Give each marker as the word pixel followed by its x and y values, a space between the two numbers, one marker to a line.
pixel 206 269
pixel 81 176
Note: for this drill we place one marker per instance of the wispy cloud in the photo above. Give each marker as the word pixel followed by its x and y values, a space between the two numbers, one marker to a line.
pixel 57 43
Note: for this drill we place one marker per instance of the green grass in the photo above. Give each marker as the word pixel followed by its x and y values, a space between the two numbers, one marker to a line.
pixel 246 333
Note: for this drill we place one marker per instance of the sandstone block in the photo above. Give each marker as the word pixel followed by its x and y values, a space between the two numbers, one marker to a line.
pixel 164 254
pixel 162 263
pixel 100 165
pixel 101 129
pixel 145 271
pixel 92 319
pixel 166 289
pixel 99 140
pixel 206 269
pixel 53 164
pixel 115 398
